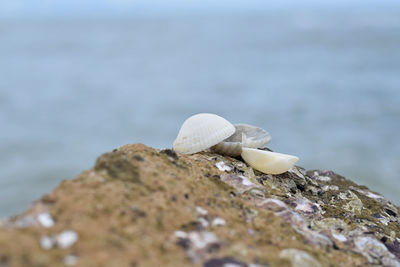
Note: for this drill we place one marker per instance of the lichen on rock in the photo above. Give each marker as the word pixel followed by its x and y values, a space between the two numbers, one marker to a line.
pixel 141 206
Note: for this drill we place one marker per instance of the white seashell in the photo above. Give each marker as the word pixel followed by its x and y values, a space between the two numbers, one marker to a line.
pixel 255 138
pixel 202 131
pixel 268 162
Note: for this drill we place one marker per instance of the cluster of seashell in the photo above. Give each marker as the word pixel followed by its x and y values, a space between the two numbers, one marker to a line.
pixel 203 131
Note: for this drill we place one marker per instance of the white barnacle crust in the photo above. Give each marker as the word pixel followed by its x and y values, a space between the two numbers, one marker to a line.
pixel 202 131
pixel 268 162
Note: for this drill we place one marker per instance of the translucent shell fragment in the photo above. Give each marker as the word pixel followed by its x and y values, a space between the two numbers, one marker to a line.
pixel 254 137
pixel 268 162
pixel 202 131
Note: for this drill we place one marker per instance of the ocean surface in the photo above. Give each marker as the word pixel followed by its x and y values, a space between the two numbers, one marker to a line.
pixel 326 85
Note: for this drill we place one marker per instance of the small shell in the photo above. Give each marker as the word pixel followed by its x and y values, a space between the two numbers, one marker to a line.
pixel 268 162
pixel 255 138
pixel 202 131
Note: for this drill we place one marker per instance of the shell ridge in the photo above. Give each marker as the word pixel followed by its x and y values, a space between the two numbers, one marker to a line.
pixel 202 131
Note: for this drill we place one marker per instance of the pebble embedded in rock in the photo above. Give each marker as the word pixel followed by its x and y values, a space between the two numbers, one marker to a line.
pixel 45 220
pixel 180 234
pixel 70 260
pixel 218 222
pixel 201 211
pixel 46 242
pixel 66 238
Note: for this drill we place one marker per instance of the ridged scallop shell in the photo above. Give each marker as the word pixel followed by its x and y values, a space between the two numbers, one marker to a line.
pixel 268 162
pixel 254 138
pixel 202 131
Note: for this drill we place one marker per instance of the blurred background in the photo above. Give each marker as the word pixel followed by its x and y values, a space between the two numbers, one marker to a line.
pixel 80 78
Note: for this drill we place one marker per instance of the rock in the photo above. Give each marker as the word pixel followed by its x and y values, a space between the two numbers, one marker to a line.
pixel 140 206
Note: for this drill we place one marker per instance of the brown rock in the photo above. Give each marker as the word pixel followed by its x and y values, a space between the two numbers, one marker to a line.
pixel 143 207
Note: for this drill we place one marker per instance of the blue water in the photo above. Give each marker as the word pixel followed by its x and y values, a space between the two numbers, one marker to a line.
pixel 326 85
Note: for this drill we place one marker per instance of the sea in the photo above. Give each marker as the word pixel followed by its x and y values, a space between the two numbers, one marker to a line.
pixel 324 83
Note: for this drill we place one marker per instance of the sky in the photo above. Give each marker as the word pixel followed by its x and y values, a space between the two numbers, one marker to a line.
pixel 11 8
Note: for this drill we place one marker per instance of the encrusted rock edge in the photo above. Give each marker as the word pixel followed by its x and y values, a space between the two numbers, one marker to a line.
pixel 144 207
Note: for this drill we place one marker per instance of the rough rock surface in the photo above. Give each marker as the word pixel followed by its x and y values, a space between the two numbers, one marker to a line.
pixel 143 207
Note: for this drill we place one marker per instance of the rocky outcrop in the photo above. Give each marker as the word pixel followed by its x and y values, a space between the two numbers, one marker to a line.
pixel 140 206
